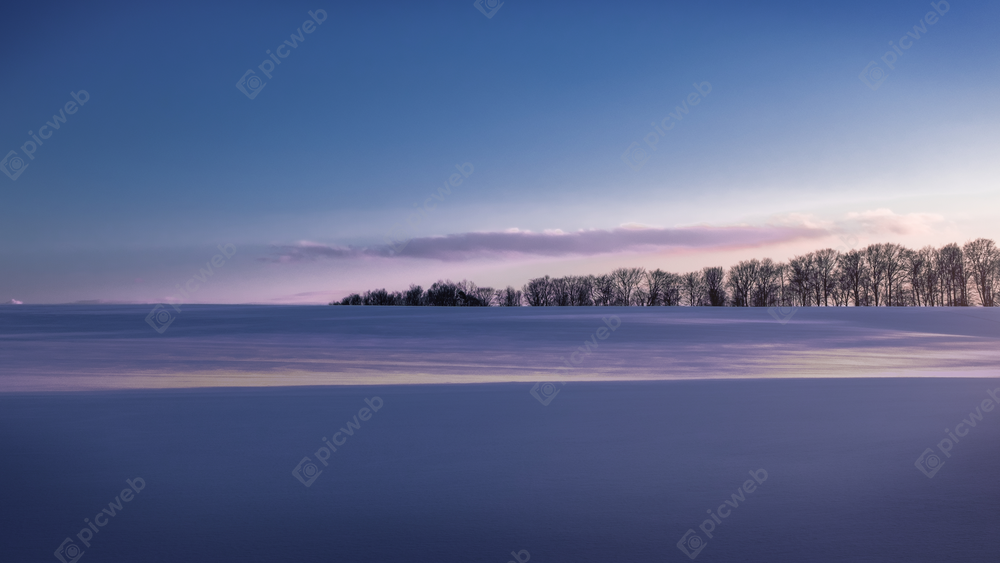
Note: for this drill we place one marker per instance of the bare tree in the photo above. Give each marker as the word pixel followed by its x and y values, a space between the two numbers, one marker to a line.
pixel 414 296
pixel 352 299
pixel 655 285
pixel 537 292
pixel 471 295
pixel 443 294
pixel 895 270
pixel 559 292
pixel 930 282
pixel 841 289
pixel 671 290
pixel 581 290
pixel 714 279
pixel 875 260
pixel 803 278
pixel 768 285
pixel 485 295
pixel 915 265
pixel 508 297
pixel 854 272
pixel 825 263
pixel 627 280
pixel 983 265
pixel 742 278
pixel 693 286
pixel 953 279
pixel 782 273
pixel 381 298
pixel 604 290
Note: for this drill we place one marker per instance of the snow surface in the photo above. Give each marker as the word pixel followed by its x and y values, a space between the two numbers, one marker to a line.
pixel 108 346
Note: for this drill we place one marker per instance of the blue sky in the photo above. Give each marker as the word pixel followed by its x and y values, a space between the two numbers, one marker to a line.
pixel 369 115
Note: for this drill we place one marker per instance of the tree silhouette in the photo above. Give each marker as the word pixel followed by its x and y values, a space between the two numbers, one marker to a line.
pixel 881 274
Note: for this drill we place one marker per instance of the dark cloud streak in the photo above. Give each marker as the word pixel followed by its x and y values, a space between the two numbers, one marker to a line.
pixel 469 246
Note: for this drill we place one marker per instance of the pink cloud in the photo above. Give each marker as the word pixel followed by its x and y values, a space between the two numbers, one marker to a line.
pixel 883 221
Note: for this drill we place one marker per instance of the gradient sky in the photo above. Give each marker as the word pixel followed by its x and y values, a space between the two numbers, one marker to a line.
pixel 370 114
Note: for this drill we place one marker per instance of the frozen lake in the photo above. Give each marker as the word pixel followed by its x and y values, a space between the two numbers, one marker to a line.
pixel 107 347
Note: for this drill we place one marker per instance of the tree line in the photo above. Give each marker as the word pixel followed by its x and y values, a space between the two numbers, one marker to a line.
pixel 883 274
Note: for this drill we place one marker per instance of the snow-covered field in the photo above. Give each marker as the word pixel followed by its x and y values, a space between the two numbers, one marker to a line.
pixel 89 347
pixel 844 469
